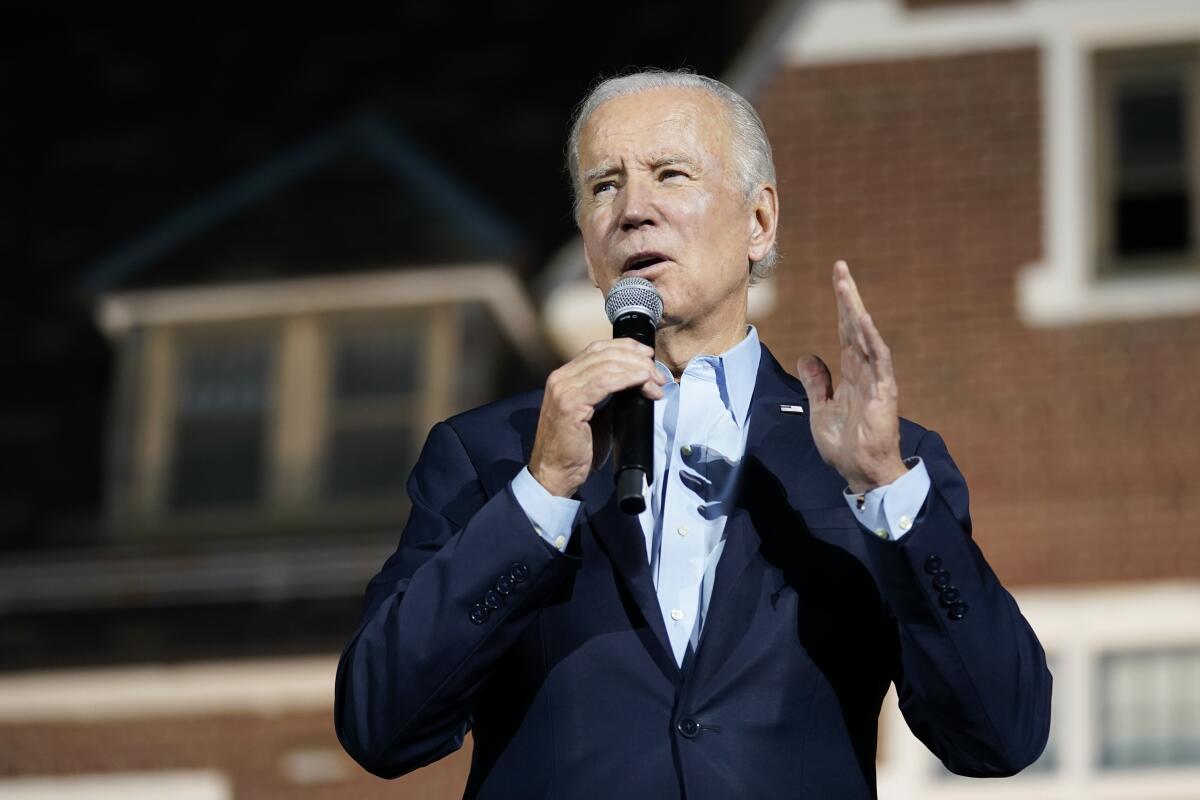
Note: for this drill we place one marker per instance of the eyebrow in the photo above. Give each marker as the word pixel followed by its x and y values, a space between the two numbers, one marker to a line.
pixel 593 175
pixel 666 161
pixel 597 173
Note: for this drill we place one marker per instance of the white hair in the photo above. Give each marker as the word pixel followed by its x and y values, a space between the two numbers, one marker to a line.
pixel 751 149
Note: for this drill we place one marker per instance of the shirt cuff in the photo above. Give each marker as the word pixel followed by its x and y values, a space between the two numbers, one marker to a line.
pixel 891 510
pixel 552 517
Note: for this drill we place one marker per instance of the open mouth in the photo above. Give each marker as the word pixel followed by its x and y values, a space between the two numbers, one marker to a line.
pixel 641 261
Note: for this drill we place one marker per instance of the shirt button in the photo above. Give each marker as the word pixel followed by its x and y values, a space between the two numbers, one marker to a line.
pixel 560 542
pixel 682 531
pixel 676 614
pixel 905 523
pixel 686 450
pixel 882 533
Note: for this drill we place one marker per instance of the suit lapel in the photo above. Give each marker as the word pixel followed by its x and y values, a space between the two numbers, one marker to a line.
pixel 622 538
pixel 779 449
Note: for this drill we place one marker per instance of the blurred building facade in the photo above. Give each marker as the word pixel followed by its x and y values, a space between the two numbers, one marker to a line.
pixel 282 346
pixel 1013 182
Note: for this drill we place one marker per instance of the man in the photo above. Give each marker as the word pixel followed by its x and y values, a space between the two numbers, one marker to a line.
pixel 736 639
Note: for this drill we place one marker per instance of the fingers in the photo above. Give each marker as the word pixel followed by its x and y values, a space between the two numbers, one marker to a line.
pixel 605 367
pixel 851 311
pixel 880 355
pixel 814 374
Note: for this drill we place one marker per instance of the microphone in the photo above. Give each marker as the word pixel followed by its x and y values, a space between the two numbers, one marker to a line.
pixel 634 309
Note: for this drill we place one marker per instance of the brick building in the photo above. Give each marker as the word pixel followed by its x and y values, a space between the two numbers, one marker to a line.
pixel 1015 186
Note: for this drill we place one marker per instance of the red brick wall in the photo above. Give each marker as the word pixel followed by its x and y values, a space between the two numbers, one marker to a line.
pixel 1081 444
pixel 248 748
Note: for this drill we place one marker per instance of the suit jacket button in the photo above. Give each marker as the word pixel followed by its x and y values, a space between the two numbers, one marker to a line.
pixel 933 564
pixel 941 580
pixel 948 597
pixel 478 613
pixel 688 727
pixel 491 599
pixel 504 584
pixel 957 611
pixel 518 572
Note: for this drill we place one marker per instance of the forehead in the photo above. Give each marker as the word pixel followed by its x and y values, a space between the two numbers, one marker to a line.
pixel 653 123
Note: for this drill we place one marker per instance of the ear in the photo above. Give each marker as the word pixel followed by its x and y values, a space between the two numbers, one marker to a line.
pixel 764 216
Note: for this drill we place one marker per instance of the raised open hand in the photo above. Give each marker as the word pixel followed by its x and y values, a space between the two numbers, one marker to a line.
pixel 856 427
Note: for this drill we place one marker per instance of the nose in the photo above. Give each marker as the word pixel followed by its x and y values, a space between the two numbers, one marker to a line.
pixel 637 206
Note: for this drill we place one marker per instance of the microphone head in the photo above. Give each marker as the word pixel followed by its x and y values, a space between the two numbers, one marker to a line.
pixel 633 294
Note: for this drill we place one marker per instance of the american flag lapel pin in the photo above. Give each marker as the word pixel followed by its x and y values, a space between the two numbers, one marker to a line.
pixel 787 409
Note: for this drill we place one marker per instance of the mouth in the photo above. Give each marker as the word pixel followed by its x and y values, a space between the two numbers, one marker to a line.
pixel 643 262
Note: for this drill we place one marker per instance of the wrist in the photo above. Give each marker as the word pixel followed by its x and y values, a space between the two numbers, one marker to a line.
pixel 553 484
pixel 865 481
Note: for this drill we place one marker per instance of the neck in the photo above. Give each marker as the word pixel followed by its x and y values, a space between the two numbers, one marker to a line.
pixel 676 345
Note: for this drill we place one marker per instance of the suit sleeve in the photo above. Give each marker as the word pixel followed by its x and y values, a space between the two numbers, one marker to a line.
pixel 468 576
pixel 970 673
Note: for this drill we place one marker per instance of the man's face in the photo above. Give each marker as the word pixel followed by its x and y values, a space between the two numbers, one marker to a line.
pixel 660 198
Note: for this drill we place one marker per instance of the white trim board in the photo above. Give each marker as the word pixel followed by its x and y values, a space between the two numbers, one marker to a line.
pixel 198 784
pixel 494 285
pixel 262 686
pixel 1061 289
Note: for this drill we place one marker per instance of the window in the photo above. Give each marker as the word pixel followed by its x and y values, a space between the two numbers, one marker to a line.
pixel 376 377
pixel 1148 214
pixel 308 422
pixel 1150 708
pixel 221 413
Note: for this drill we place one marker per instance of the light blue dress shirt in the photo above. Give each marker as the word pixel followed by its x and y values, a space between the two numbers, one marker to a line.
pixel 700 429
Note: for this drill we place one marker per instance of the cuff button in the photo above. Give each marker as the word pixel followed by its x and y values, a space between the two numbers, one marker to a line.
pixel 478 614
pixel 491 599
pixel 957 611
pixel 518 572
pixel 933 564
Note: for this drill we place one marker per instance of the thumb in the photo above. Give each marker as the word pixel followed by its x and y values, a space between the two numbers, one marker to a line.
pixel 818 383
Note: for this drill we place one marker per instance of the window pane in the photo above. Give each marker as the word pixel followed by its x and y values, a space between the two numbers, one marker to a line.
pixel 1156 223
pixel 369 363
pixel 1151 708
pixel 220 424
pixel 1150 120
pixel 1152 193
pixel 375 378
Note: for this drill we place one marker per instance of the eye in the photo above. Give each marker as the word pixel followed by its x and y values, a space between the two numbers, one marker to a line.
pixel 668 174
pixel 602 187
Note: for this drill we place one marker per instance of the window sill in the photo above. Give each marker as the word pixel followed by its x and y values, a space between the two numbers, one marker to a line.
pixel 1047 296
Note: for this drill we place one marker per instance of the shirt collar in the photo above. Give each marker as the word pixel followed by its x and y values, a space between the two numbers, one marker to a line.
pixel 736 372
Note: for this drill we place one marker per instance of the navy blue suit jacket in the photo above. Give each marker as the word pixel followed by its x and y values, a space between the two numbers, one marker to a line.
pixel 560 664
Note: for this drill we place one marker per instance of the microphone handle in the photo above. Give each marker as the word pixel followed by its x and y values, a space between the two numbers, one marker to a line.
pixel 633 423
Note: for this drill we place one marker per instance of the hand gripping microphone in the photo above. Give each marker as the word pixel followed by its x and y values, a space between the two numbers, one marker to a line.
pixel 634 309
